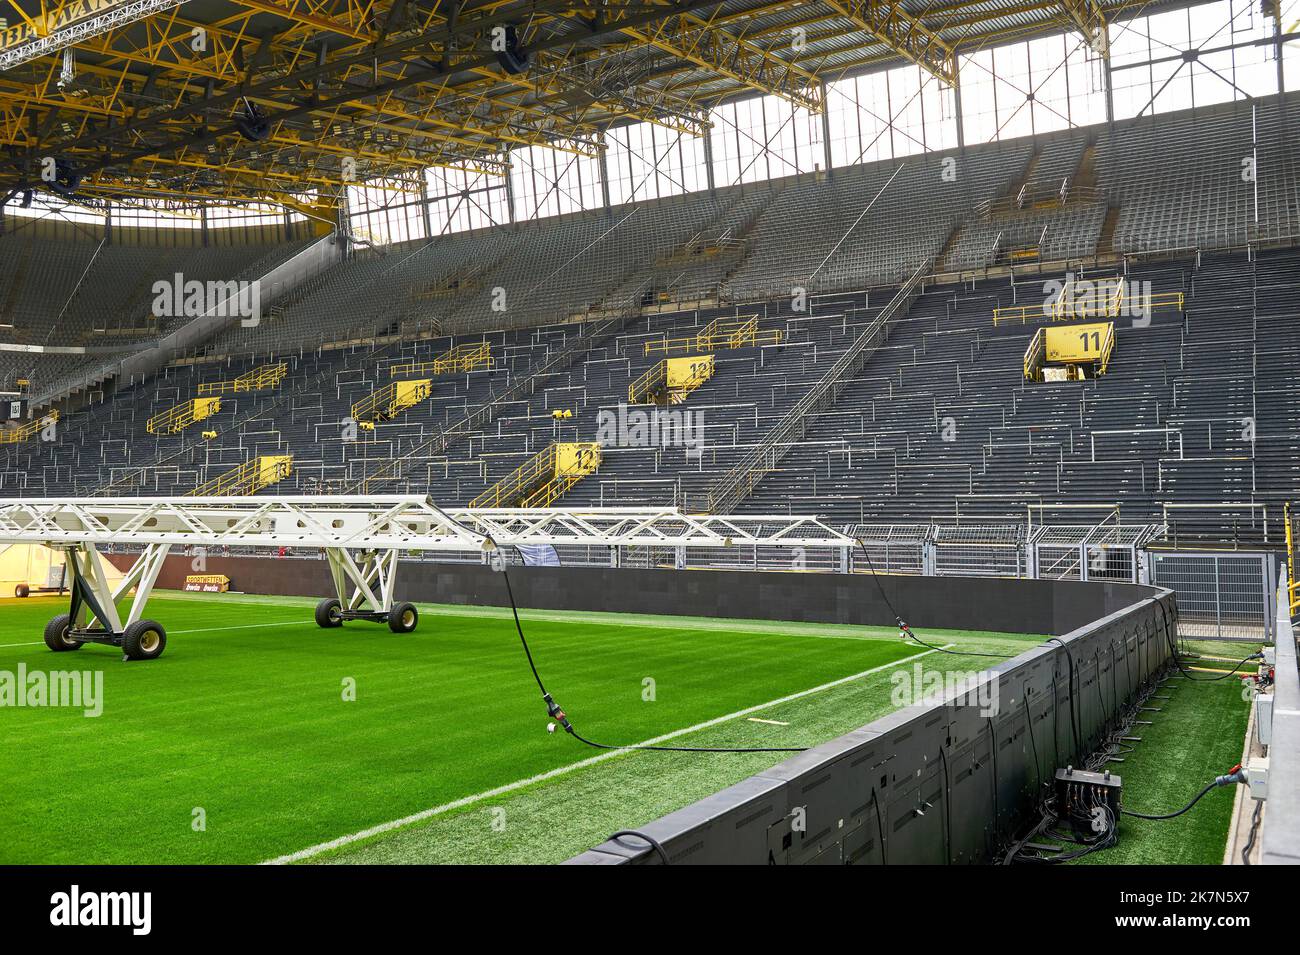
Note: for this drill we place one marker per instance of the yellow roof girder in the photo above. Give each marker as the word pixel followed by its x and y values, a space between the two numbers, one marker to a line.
pixel 701 41
pixel 1090 20
pixel 903 33
pixel 574 137
pixel 319 16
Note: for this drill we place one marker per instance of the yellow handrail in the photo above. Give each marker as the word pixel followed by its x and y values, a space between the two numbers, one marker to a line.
pixel 249 478
pixel 518 481
pixel 720 333
pixel 179 418
pixel 1034 355
pixel 458 359
pixel 540 480
pixel 1293 586
pixel 1111 299
pixel 644 389
pixel 23 432
pixel 263 376
pixel 391 400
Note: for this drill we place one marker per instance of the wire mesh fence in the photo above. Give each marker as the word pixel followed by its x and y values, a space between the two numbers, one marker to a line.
pixel 1221 596
pixel 980 550
pixel 890 548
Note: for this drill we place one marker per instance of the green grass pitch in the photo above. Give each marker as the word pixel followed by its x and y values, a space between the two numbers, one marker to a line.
pixel 237 745
pixel 1196 736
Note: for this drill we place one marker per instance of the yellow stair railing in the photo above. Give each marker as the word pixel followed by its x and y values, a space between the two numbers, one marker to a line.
pixel 249 478
pixel 391 400
pixel 720 333
pixel 461 358
pixel 1292 584
pixel 259 379
pixel 183 415
pixel 543 478
pixel 670 381
pixel 26 431
pixel 1034 356
pixel 1099 298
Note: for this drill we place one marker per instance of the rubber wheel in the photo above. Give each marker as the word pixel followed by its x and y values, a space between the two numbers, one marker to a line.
pixel 22 590
pixel 144 640
pixel 403 618
pixel 56 634
pixel 329 613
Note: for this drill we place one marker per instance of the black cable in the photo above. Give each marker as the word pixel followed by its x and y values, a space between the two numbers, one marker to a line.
pixel 1074 723
pixel 1029 722
pixel 1238 775
pixel 947 807
pixel 558 714
pixel 993 750
pixel 903 626
pixel 1221 676
pixel 1176 813
pixel 880 826
pixel 654 843
pixel 1178 658
pixel 1254 831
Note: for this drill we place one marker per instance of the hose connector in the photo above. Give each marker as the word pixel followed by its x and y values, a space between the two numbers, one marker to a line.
pixel 554 711
pixel 1237 775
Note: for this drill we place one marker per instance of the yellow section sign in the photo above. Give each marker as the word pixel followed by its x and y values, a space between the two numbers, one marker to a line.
pixel 1078 343
pixel 689 370
pixel 272 468
pixel 576 459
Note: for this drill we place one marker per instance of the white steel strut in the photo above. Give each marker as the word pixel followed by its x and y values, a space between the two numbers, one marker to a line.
pixel 362 538
pixel 407 522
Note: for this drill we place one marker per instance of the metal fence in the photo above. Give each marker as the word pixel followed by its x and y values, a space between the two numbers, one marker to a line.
pixel 1099 552
pixel 1221 595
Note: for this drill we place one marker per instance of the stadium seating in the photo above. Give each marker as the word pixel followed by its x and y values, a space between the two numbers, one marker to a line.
pixel 939 424
pixel 78 294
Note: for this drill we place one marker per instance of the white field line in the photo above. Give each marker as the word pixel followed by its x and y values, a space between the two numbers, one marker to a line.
pixel 423 814
pixel 245 626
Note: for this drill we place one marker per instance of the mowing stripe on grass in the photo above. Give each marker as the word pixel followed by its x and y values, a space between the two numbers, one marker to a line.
pixel 341 841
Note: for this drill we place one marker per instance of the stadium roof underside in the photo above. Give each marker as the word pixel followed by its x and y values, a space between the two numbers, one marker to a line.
pixel 158 98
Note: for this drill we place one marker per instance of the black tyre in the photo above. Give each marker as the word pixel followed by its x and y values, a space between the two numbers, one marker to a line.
pixel 403 618
pixel 144 640
pixel 329 613
pixel 56 634
pixel 22 590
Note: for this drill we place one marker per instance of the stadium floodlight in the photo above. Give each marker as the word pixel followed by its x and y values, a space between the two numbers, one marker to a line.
pixel 362 538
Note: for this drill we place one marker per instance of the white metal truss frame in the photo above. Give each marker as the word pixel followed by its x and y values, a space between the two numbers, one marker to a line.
pixel 386 522
pixel 374 529
pixel 86 565
pixel 372 582
pixel 105 22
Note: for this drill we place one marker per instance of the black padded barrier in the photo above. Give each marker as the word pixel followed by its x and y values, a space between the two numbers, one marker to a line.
pixel 933 783
pixel 958 603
